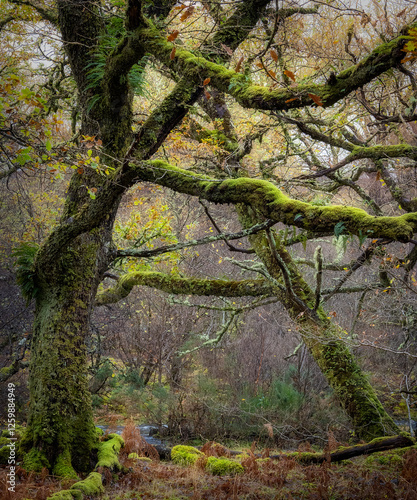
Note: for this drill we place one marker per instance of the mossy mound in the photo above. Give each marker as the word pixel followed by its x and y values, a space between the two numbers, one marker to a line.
pixel 185 455
pixel 108 452
pixel 223 466
pixel 65 495
pixel 89 487
pixel 135 456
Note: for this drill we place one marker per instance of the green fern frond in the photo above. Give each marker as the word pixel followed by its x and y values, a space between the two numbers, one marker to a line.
pixel 25 274
pixel 96 69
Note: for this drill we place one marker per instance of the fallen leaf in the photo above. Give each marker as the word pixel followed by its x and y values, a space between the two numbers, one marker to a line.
pixel 239 64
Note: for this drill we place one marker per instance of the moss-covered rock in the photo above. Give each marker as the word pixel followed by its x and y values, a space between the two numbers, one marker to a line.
pixel 64 495
pixel 108 452
pixel 185 455
pixel 90 486
pixel 223 466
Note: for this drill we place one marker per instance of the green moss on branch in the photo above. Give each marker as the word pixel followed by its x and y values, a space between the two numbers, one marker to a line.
pixel 186 286
pixel 198 68
pixel 274 204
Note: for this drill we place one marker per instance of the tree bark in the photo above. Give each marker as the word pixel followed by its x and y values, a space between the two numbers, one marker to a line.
pixel 61 433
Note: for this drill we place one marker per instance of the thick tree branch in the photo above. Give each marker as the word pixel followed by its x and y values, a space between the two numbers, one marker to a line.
pixel 185 286
pixel 383 58
pixel 275 205
pixel 9 371
pixel 46 14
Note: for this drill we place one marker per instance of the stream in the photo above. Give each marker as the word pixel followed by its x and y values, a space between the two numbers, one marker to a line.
pixel 147 432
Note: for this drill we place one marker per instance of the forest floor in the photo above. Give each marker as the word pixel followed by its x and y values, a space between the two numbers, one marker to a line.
pixel 384 475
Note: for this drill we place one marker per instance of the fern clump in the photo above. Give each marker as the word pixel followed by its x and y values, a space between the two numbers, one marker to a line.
pixel 25 273
pixel 108 42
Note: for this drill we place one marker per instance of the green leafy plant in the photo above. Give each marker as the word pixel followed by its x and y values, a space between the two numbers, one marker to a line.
pixel 25 274
pixel 96 69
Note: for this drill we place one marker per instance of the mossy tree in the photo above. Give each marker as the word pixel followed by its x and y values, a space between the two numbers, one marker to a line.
pixel 72 261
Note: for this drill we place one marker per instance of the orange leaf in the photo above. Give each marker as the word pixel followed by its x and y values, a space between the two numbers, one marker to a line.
pixel 260 65
pixel 408 58
pixel 272 74
pixel 290 74
pixel 316 99
pixel 239 64
pixel 187 13
pixel 207 94
pixel 80 170
pixel 173 36
pixel 93 190
pixel 378 176
pixel 274 55
pixel 206 81
pixel 172 55
pixel 291 100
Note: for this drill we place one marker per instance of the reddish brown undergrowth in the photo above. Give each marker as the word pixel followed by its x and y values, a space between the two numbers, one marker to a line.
pixel 135 443
pixel 388 475
pixel 31 485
